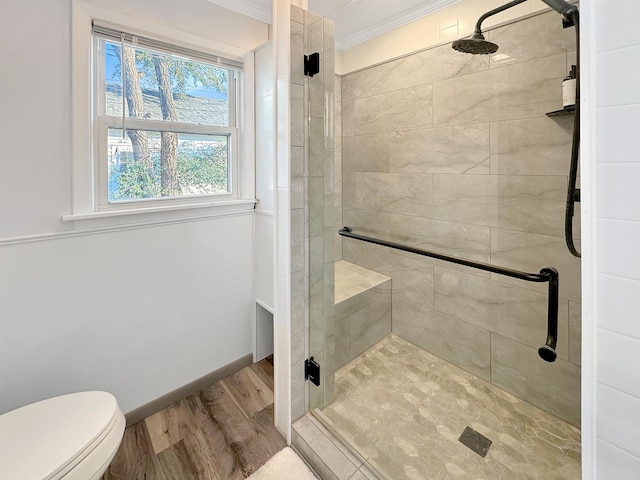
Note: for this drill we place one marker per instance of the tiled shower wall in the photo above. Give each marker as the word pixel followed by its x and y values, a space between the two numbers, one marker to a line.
pixel 454 153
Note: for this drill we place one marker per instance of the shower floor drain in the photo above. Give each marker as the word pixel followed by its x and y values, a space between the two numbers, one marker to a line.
pixel 475 441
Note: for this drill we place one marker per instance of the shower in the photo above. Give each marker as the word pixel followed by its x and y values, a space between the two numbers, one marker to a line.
pixel 426 317
pixel 478 45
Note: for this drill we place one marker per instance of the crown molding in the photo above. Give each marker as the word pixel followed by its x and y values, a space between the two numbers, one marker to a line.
pixel 250 9
pixel 396 21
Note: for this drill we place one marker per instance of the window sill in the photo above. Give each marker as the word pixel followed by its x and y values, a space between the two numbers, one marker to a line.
pixel 161 214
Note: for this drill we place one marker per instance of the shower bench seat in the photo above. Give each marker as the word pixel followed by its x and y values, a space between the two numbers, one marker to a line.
pixel 362 310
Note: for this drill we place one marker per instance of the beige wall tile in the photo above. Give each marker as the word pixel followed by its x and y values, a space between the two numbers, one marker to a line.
pixel 498 167
pixel 431 66
pixel 457 149
pixel 523 203
pixel 453 340
pixel 370 324
pixel 515 91
pixel 538 37
pixel 449 238
pixel 467 198
pixel 365 83
pixel 366 153
pixel 554 387
pixel 513 312
pixel 400 109
pixel 532 146
pixel 531 252
pixel 404 193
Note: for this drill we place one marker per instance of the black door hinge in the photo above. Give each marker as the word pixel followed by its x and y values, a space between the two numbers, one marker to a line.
pixel 312 371
pixel 576 195
pixel 311 64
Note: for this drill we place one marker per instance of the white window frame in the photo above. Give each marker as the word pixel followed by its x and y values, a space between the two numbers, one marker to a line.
pixel 86 202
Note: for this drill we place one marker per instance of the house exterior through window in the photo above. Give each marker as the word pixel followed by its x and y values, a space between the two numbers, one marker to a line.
pixel 164 119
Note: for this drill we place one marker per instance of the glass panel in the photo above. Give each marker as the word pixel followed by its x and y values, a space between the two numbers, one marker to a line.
pixel 148 164
pixel 320 150
pixel 164 87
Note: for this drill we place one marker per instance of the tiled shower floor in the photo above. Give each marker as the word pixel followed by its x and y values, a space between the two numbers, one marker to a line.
pixel 403 410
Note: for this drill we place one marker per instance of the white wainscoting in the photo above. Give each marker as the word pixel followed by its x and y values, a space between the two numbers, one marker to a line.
pixel 137 312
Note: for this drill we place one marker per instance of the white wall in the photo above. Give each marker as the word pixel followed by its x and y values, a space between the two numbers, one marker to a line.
pixel 612 148
pixel 265 182
pixel 136 310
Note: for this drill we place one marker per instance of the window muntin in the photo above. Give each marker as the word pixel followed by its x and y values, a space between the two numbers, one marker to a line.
pixel 179 121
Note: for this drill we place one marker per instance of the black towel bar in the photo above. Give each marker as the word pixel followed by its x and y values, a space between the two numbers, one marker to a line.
pixel 548 274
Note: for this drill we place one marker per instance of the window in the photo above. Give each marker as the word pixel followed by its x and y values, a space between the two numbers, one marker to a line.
pixel 165 127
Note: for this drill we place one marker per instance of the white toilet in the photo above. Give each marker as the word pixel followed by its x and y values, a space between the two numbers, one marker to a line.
pixel 72 437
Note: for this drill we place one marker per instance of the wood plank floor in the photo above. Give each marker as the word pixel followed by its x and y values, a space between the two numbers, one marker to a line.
pixel 223 432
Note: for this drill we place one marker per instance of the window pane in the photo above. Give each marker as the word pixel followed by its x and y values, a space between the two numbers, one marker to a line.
pixel 153 164
pixel 165 87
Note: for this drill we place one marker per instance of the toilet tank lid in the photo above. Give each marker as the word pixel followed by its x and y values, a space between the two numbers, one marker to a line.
pixel 40 440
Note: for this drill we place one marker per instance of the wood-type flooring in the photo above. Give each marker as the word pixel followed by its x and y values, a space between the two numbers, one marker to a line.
pixel 223 432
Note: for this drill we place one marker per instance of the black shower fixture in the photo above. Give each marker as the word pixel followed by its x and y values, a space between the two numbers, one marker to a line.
pixel 477 44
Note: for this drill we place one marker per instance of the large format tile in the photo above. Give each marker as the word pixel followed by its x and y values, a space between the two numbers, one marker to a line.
pixel 352 282
pixel 444 237
pixel 432 65
pixel 399 109
pixel 362 310
pixel 370 324
pixel 531 252
pixel 523 203
pixel 367 222
pixel 554 387
pixel 402 409
pixel 532 146
pixel 472 199
pixel 368 82
pixel 456 149
pixel 403 193
pixel 513 312
pixel 366 153
pixel 516 91
pixel 412 280
pixel 537 37
pixel 453 340
pixel 488 124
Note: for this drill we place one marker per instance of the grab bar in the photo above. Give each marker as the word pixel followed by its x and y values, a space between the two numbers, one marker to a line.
pixel 548 274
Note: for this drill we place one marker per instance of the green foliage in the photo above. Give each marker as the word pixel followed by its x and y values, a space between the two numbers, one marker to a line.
pixel 134 180
pixel 201 170
pixel 204 167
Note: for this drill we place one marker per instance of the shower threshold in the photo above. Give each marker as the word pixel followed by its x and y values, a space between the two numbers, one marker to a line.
pixel 404 411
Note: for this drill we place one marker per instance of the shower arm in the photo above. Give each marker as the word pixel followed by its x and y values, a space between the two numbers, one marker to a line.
pixel 478 31
pixel 548 351
pixel 565 9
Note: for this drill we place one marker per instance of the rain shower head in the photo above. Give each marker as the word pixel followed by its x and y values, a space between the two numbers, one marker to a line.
pixel 476 45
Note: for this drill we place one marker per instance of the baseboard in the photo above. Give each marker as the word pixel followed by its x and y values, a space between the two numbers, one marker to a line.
pixel 176 395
